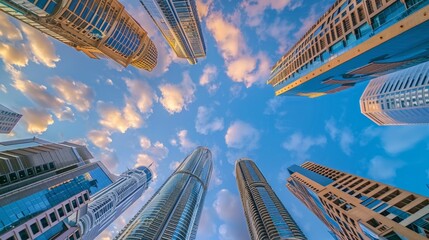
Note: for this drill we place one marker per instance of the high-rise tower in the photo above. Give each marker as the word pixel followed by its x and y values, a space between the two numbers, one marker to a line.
pixel 8 119
pixel 44 186
pixel 174 210
pixel 354 41
pixel 399 98
pixel 353 207
pixel 266 216
pixel 112 201
pixel 98 28
pixel 179 24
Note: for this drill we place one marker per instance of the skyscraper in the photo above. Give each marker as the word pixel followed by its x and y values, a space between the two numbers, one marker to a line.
pixel 44 186
pixel 98 28
pixel 112 201
pixel 8 119
pixel 266 216
pixel 179 24
pixel 354 41
pixel 398 98
pixel 353 207
pixel 174 210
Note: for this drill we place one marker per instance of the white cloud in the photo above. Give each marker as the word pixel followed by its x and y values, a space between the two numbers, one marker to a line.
pixel 74 93
pixel 299 145
pixel 383 169
pixel 208 78
pixel 229 209
pixel 119 120
pixel 345 135
pixel 37 120
pixel 41 46
pixel 185 144
pixel 100 138
pixel 204 123
pixel 145 142
pixel 176 97
pixel 3 88
pixel 392 138
pixel 241 135
pixel 255 9
pixel 174 165
pixel 273 106
pixel 142 94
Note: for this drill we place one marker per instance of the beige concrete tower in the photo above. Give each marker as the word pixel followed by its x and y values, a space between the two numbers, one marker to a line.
pixel 353 207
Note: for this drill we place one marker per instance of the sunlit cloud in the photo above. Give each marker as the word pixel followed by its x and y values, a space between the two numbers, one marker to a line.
pixel 15 55
pixel 36 120
pixel 176 97
pixel 142 94
pixel 119 119
pixel 77 94
pixel 9 30
pixel 41 46
pixel 300 145
pixel 208 78
pixel 100 138
pixel 203 7
pixel 242 135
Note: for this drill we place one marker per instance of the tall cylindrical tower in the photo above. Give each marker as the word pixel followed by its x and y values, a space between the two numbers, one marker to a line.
pixel 174 210
pixel 266 216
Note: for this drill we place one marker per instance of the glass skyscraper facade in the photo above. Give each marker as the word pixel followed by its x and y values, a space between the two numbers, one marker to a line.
pixel 98 28
pixel 112 201
pixel 174 210
pixel 353 207
pixel 354 41
pixel 399 98
pixel 44 187
pixel 179 23
pixel 8 119
pixel 266 216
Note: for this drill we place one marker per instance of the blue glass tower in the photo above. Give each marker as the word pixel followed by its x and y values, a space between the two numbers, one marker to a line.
pixel 174 210
pixel 266 216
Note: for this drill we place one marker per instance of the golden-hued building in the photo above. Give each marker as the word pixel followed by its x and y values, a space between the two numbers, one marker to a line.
pixel 400 98
pixel 99 28
pixel 266 216
pixel 354 41
pixel 353 207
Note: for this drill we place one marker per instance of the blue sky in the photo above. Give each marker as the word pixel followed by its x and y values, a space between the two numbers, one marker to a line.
pixel 130 117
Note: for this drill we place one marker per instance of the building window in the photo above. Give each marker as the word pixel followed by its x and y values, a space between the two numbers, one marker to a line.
pixel 374 223
pixel 53 217
pixel 61 212
pixel 44 222
pixel 34 228
pixel 23 234
pixel 405 201
pixel 68 208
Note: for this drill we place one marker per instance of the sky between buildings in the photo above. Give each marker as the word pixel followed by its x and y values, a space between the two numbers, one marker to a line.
pixel 130 117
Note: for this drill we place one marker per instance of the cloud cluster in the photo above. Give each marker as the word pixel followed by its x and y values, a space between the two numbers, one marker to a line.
pixel 116 119
pixel 100 138
pixel 255 9
pixel 183 142
pixel 176 97
pixel 23 43
pixel 142 93
pixel 300 145
pixel 344 135
pixel 151 154
pixel 37 120
pixel 204 123
pixel 241 135
pixel 229 209
pixel 77 94
pixel 242 65
pixel 208 78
